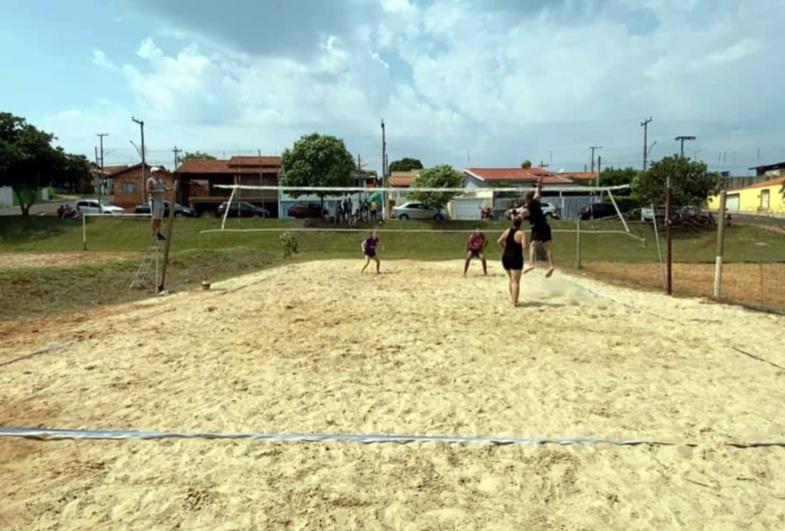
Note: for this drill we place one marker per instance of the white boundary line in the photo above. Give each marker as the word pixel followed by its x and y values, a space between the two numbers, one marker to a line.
pixel 60 434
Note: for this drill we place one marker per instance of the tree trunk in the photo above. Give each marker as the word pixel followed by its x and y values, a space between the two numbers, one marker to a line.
pixel 25 202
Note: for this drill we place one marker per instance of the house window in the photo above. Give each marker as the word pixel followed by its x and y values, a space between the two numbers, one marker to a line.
pixel 129 187
pixel 764 200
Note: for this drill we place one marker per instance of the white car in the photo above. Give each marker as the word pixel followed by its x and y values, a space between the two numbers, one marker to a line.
pixel 414 210
pixel 548 209
pixel 92 206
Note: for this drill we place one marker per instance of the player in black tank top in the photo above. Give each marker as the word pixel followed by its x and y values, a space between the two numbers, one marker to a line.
pixel 513 241
pixel 541 230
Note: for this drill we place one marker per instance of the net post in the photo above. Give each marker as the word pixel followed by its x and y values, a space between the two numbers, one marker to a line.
pixel 659 249
pixel 228 206
pixel 623 221
pixel 84 232
pixel 720 247
pixel 578 264
pixel 669 238
pixel 169 227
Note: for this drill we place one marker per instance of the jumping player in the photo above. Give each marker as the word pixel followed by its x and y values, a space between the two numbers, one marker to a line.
pixel 369 250
pixel 475 248
pixel 541 231
pixel 513 241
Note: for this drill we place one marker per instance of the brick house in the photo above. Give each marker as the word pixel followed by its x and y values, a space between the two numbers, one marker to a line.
pixel 128 186
pixel 199 177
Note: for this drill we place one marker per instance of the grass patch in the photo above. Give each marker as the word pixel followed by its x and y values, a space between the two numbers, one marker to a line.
pixel 35 292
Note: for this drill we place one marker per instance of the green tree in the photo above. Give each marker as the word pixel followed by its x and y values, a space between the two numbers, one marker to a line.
pixel 198 155
pixel 443 176
pixel 406 164
pixel 526 164
pixel 28 161
pixel 73 174
pixel 317 160
pixel 691 182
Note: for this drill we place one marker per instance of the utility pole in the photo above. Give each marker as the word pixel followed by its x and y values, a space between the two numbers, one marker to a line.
pixel 101 166
pixel 359 162
pixel 645 125
pixel 599 169
pixel 593 149
pixel 683 139
pixel 100 172
pixel 385 179
pixel 176 152
pixel 144 162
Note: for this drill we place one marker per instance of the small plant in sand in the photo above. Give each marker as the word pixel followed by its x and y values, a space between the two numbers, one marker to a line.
pixel 289 245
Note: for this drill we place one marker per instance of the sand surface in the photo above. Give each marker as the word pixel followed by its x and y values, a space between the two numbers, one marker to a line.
pixel 418 350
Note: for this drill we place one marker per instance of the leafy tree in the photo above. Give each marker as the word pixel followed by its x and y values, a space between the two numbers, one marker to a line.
pixel 618 176
pixel 73 174
pixel 526 164
pixel 317 160
pixel 198 155
pixel 28 161
pixel 691 182
pixel 406 164
pixel 443 176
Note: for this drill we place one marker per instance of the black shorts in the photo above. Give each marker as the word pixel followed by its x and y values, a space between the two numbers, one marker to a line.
pixel 512 263
pixel 475 254
pixel 541 233
pixel 370 254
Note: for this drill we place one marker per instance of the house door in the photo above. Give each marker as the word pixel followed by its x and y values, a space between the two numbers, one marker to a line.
pixel 732 203
pixel 765 198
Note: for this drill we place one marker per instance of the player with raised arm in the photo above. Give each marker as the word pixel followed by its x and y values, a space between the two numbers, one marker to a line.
pixel 540 229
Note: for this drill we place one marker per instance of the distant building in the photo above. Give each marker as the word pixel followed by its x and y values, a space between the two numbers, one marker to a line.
pixel 403 179
pixel 128 185
pixel 770 170
pixel 760 198
pixel 199 177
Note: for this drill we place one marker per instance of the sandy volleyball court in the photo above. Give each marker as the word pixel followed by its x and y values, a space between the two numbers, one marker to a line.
pixel 418 350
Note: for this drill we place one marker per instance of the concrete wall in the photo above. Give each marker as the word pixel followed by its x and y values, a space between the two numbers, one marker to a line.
pixel 751 200
pixel 6 196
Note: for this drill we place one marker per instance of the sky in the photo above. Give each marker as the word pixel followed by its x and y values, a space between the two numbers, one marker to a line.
pixel 472 83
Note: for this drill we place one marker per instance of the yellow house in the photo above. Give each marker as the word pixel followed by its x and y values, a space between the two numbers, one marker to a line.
pixel 761 198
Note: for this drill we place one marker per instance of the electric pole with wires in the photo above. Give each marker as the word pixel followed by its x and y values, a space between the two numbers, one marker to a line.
pixel 645 125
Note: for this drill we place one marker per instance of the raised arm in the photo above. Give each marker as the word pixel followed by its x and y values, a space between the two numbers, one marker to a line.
pixel 538 190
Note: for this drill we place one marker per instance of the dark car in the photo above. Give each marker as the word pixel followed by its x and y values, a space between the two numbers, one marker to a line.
pixel 179 210
pixel 243 210
pixel 306 210
pixel 597 211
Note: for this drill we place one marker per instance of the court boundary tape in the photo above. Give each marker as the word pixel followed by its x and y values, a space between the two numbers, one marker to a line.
pixel 47 434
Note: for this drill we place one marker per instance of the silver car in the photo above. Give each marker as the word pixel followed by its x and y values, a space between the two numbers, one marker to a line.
pixel 414 210
pixel 91 206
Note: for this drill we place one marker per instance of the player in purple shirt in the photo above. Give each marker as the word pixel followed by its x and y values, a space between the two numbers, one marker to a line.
pixel 369 250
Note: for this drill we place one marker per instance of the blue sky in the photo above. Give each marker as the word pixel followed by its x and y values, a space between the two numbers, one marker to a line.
pixel 465 82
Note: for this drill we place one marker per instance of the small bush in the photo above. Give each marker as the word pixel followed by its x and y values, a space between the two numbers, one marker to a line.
pixel 289 245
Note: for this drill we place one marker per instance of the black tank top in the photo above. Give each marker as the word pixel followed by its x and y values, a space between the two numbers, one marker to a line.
pixel 513 249
pixel 536 217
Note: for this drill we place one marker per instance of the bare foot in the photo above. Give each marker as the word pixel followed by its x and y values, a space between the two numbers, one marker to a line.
pixel 549 274
pixel 528 270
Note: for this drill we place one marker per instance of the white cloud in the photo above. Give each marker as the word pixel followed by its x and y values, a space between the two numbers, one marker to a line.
pixel 100 59
pixel 451 75
pixel 740 50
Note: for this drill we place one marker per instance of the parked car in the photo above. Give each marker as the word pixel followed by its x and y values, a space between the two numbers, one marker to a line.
pixel 306 210
pixel 548 209
pixel 413 210
pixel 243 210
pixel 598 211
pixel 179 210
pixel 92 206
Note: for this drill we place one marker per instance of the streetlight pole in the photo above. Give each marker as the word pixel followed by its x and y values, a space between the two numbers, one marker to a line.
pixel 683 139
pixel 144 163
pixel 645 125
